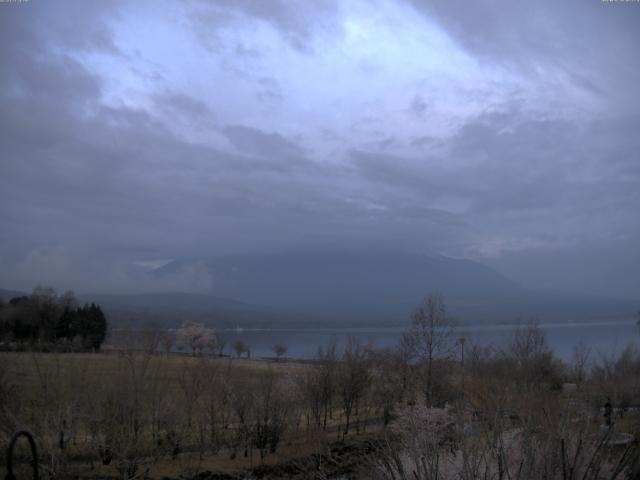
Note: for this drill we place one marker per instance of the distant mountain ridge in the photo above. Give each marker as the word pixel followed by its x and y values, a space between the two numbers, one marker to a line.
pixel 384 288
pixel 170 309
pixel 7 295
pixel 336 289
pixel 353 284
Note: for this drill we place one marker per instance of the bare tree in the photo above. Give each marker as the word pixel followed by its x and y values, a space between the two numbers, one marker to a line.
pixel 240 347
pixel 527 342
pixel 215 403
pixel 239 396
pixel 317 386
pixel 327 378
pixel 390 380
pixel 149 338
pixel 68 300
pixel 430 336
pixel 167 340
pixel 191 380
pixel 354 378
pixel 280 350
pixel 222 342
pixel 580 360
pixel 270 412
pixel 533 359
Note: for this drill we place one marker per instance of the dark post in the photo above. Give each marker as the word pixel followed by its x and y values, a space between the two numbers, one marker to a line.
pixel 462 340
pixel 608 410
pixel 34 454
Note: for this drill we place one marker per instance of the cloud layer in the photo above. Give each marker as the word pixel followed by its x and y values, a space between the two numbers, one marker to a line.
pixel 133 132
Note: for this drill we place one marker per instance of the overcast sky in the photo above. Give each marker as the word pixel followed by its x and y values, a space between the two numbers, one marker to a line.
pixel 133 133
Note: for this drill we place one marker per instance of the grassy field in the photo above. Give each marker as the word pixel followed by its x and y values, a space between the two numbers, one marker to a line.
pixel 164 415
pixel 129 414
pixel 27 368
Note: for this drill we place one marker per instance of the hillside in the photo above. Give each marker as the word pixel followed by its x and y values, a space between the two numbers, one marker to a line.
pixel 357 286
pixel 337 289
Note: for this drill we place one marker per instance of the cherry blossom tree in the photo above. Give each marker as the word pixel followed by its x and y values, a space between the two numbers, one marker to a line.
pixel 196 337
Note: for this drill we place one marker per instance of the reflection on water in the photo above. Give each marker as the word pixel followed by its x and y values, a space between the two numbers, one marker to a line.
pixel 603 338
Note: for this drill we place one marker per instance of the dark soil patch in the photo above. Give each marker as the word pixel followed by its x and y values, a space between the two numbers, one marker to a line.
pixel 341 460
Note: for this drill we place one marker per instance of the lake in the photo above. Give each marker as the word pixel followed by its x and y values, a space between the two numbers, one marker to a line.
pixel 603 338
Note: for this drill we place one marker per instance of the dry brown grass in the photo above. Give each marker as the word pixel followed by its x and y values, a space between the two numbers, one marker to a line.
pixel 52 392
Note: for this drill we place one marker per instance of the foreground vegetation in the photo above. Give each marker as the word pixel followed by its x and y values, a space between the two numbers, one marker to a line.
pixel 436 406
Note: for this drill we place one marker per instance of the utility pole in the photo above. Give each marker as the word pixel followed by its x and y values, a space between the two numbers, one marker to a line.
pixel 462 341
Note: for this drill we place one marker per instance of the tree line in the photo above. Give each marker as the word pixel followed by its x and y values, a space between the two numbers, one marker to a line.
pixel 48 320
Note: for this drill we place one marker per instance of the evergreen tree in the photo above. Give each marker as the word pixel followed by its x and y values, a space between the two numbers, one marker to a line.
pixel 45 316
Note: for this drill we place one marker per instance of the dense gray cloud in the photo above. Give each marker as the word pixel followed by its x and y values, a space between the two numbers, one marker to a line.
pixel 133 133
pixel 295 21
pixel 259 143
pixel 589 43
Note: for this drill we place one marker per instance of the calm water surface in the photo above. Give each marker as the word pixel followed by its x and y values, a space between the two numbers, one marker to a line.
pixel 604 338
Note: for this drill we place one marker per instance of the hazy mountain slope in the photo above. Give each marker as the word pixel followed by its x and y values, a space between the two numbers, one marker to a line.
pixel 6 295
pixel 385 287
pixel 547 306
pixel 352 285
pixel 336 289
pixel 173 308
